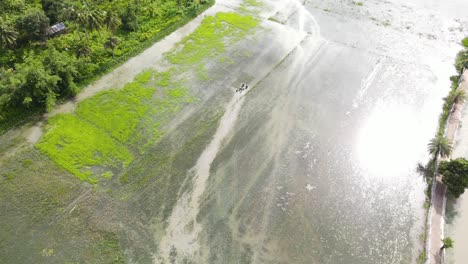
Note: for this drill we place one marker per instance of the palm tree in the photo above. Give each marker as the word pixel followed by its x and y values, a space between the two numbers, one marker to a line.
pixel 8 34
pixel 426 171
pixel 440 145
pixel 95 20
pixel 455 97
pixel 90 20
pixel 447 243
pixel 111 43
pixel 112 21
pixel 461 60
pixel 459 96
pixel 81 49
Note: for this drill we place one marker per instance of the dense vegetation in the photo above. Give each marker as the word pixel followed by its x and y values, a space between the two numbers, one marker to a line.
pixel 462 56
pixel 37 69
pixel 455 175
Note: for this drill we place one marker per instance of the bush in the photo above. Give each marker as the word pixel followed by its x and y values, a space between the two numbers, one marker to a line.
pixel 465 42
pixel 455 175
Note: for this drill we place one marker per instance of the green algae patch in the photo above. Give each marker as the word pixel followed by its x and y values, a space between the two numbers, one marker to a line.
pixel 78 146
pixel 211 38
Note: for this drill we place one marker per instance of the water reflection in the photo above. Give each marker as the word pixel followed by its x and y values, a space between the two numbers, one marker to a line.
pixel 384 139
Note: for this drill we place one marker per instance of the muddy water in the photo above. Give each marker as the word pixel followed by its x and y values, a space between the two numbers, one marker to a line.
pixel 319 167
pixel 457 211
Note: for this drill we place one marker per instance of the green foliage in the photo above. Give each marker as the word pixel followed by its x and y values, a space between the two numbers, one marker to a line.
pixel 447 242
pixel 455 96
pixel 118 112
pixel 439 145
pixel 78 146
pixel 52 9
pixel 95 41
pixel 212 37
pixel 36 85
pixel 464 42
pixel 426 171
pixel 109 124
pixel 421 257
pixel 112 21
pixel 90 19
pixel 27 163
pixel 455 175
pixel 461 60
pixel 210 40
pixel 109 250
pixel 39 80
pixel 111 43
pixel 33 26
pixel 8 34
pixel 448 104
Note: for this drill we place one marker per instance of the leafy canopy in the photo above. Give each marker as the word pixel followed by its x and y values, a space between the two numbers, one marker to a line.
pixel 455 175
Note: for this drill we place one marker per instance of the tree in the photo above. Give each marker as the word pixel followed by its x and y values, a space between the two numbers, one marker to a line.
pixel 9 6
pixel 33 25
pixel 459 96
pixel 52 9
pixel 440 145
pixel 455 97
pixel 8 34
pixel 111 43
pixel 90 20
pixel 426 171
pixel 112 21
pixel 64 66
pixel 6 88
pixel 129 17
pixel 447 243
pixel 37 87
pixel 455 175
pixel 461 60
pixel 81 49
pixel 464 42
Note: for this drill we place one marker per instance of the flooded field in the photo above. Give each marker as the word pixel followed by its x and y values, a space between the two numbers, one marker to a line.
pixel 314 163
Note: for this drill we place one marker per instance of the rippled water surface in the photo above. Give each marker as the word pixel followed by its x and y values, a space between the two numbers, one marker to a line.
pixel 320 165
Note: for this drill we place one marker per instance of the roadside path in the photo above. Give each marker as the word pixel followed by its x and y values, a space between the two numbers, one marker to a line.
pixel 437 209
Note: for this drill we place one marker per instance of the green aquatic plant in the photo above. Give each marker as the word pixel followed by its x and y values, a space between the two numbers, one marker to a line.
pixel 211 38
pixel 78 146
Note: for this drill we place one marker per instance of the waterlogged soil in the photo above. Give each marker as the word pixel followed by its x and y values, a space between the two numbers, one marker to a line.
pixel 314 163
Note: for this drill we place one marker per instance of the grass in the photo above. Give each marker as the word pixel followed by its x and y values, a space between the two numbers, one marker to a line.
pixel 358 3
pixel 107 125
pixel 78 146
pixel 211 38
pixel 118 112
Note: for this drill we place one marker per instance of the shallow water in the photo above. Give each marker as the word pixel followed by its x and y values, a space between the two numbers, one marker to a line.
pixel 320 166
pixel 315 163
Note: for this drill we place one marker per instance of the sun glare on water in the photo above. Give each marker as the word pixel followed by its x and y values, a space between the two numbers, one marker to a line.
pixel 388 142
